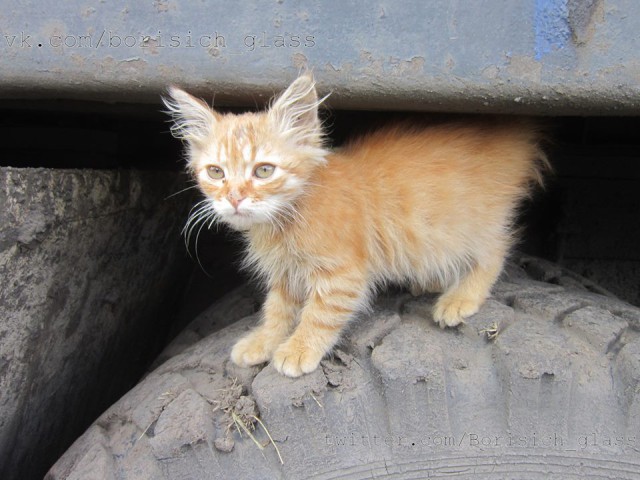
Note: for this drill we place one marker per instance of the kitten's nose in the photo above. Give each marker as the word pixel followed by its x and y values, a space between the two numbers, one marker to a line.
pixel 235 201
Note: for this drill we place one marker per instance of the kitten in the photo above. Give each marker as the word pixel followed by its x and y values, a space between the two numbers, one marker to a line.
pixel 430 207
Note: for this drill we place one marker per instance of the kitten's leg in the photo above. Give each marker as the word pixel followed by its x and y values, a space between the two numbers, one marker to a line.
pixel 279 315
pixel 322 319
pixel 466 298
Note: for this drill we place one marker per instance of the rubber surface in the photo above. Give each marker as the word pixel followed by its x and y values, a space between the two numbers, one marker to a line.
pixel 544 382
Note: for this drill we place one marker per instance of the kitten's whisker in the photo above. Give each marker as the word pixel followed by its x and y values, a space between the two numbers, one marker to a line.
pixel 283 213
pixel 206 200
pixel 201 214
pixel 317 185
pixel 290 213
pixel 197 255
pixel 203 206
pixel 195 209
pixel 187 240
pixel 194 218
pixel 181 191
pixel 270 215
pixel 274 218
pixel 214 218
pixel 296 215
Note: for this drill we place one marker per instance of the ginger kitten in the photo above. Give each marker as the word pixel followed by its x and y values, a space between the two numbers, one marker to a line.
pixel 430 207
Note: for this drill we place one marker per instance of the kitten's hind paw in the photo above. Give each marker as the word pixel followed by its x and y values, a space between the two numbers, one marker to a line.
pixel 294 359
pixel 451 311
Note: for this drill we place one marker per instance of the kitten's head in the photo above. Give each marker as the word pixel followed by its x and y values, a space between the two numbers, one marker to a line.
pixel 251 167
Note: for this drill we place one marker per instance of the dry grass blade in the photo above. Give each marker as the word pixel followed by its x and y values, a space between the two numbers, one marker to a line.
pixel 239 423
pixel 492 331
pixel 316 400
pixel 270 438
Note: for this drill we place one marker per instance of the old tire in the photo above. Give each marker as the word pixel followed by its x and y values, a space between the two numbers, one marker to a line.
pixel 544 382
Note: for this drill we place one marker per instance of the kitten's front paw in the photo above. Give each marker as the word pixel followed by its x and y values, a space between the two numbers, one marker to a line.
pixel 254 349
pixel 451 311
pixel 293 358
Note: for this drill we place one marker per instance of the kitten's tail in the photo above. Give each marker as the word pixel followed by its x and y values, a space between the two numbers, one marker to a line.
pixel 537 137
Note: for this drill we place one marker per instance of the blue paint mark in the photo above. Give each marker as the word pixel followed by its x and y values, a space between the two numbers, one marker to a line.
pixel 551 26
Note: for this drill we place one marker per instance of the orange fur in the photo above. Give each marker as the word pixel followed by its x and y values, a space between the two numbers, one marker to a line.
pixel 428 207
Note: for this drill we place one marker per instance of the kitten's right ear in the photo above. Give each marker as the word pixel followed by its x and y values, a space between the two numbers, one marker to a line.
pixel 192 117
pixel 295 112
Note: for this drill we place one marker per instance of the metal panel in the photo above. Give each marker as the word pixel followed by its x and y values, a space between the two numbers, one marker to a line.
pixel 535 56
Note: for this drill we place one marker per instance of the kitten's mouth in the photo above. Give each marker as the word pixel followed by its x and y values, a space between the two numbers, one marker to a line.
pixel 239 220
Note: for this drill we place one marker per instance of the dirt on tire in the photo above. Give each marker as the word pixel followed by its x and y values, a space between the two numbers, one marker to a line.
pixel 543 382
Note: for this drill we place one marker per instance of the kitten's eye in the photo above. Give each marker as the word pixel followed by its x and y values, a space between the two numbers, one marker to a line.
pixel 215 172
pixel 264 171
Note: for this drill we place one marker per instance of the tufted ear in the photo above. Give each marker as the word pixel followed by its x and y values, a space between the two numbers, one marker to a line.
pixel 192 117
pixel 294 113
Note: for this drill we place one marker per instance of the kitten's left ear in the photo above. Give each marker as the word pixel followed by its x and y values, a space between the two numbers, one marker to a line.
pixel 192 117
pixel 295 112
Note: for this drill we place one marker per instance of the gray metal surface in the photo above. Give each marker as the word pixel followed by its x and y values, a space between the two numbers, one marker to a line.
pixel 535 56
